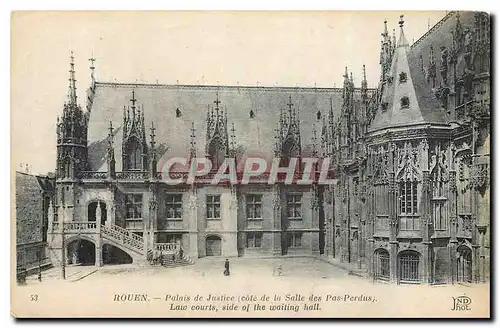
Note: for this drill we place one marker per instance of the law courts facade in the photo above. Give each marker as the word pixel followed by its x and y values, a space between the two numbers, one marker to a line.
pixel 411 158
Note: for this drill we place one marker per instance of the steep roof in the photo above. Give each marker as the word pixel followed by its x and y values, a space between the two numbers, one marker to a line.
pixel 406 98
pixel 28 206
pixel 254 136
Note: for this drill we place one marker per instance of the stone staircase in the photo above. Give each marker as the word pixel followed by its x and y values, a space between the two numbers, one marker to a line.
pixel 123 237
pixel 166 254
pixel 170 257
pixel 175 260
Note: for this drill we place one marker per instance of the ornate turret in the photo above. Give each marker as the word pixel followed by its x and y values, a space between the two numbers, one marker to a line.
pixel 387 47
pixel 192 143
pixel 134 149
pixel 288 142
pixel 71 133
pixel 217 146
pixel 111 153
pixel 153 173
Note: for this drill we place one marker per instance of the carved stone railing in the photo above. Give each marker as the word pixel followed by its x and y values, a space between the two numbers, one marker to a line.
pixel 80 226
pixel 92 175
pixel 124 237
pixel 169 247
pixel 132 175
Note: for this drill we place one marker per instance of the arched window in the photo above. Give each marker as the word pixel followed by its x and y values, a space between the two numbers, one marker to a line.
pixel 464 264
pixel 289 151
pixel 381 264
pixel 408 205
pixel 402 77
pixel 408 266
pixel 405 102
pixel 67 168
pixel 217 153
pixel 134 155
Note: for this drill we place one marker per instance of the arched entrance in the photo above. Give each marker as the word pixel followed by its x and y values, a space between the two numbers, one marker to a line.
pixel 409 266
pixel 381 264
pixel 213 246
pixel 92 211
pixel 81 251
pixel 464 264
pixel 114 255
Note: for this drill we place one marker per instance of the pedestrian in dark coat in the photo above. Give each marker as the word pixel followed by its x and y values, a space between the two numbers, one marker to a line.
pixel 226 266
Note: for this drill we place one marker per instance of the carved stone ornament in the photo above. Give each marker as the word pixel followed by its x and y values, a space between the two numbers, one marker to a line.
pixel 480 176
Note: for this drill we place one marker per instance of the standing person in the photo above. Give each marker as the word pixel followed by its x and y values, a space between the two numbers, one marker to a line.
pixel 226 266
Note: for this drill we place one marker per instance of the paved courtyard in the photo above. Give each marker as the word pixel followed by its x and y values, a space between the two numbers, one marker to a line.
pixel 127 290
pixel 210 268
pixel 240 267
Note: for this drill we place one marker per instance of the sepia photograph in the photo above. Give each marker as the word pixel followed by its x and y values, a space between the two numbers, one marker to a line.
pixel 257 164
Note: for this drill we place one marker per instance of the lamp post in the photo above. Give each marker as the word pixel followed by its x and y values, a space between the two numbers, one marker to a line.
pixel 39 265
pixel 63 246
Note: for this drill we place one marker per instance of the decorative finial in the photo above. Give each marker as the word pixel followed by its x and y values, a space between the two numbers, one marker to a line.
pixel 92 66
pixel 192 142
pixel 133 100
pixel 385 29
pixel 402 39
pixel 314 140
pixel 217 101
pixel 72 80
pixel 290 105
pixel 110 128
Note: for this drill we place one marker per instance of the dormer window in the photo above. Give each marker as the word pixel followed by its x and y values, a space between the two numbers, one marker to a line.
pixel 384 106
pixel 318 115
pixel 402 77
pixel 133 154
pixel 405 102
pixel 178 112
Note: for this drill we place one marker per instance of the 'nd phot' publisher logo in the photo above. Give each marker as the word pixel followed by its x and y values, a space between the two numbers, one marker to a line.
pixel 461 303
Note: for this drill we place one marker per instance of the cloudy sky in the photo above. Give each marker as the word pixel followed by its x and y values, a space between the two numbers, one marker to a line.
pixel 250 48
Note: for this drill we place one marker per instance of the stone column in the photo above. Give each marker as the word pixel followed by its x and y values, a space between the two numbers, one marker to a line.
pixel 453 224
pixel 192 223
pixel 277 217
pixel 98 252
pixel 482 254
pixel 50 218
pixel 393 224
pixel 152 214
pixel 426 226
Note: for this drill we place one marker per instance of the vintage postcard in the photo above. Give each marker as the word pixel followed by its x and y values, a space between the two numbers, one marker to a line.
pixel 320 164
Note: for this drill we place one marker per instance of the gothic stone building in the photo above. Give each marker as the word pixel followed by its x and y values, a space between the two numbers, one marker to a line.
pixel 34 193
pixel 112 196
pixel 413 198
pixel 411 158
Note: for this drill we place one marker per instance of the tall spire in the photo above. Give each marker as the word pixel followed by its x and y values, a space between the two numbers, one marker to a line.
pixel 402 39
pixel 385 34
pixel 72 81
pixel 346 85
pixel 192 143
pixel 111 152
pixel 364 82
pixel 393 39
pixel 364 85
pixel 154 162
pixel 92 68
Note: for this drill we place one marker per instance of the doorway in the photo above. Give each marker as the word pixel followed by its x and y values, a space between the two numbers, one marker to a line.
pixel 92 211
pixel 213 246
